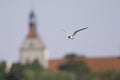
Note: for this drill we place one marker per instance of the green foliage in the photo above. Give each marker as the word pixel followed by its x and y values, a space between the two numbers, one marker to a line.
pixel 2 70
pixel 65 76
pixel 36 72
pixel 108 75
pixel 74 66
pixel 80 69
pixel 35 65
pixel 16 72
pixel 29 74
pixel 48 75
pixel 116 75
pixel 71 56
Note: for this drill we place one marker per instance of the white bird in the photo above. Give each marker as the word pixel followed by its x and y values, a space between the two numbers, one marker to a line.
pixel 74 33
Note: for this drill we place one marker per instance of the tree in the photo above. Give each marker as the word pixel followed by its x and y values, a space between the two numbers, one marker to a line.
pixel 35 72
pixel 24 72
pixel 48 75
pixel 16 72
pixel 71 56
pixel 35 65
pixel 2 70
pixel 108 75
pixel 79 68
pixel 29 74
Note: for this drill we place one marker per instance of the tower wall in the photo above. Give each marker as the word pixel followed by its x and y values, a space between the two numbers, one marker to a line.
pixel 33 50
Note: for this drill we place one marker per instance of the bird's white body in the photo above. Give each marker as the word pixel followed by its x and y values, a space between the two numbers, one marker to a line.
pixel 71 37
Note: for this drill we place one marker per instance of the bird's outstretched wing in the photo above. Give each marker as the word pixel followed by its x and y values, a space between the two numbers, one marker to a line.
pixel 78 31
pixel 65 32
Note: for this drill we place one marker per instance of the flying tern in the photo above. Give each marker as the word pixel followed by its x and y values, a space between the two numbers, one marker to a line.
pixel 72 36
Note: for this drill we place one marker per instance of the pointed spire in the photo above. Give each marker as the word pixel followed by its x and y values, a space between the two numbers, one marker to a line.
pixel 32 18
pixel 32 25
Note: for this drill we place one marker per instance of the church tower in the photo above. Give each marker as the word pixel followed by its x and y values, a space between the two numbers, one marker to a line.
pixel 33 47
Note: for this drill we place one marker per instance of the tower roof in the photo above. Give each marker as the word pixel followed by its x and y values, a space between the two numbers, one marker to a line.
pixel 32 25
pixel 32 32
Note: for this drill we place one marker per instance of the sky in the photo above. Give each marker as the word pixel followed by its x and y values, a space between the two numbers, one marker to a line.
pixel 101 39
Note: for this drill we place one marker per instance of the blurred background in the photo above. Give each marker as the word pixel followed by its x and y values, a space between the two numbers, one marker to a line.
pixel 92 55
